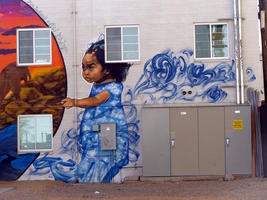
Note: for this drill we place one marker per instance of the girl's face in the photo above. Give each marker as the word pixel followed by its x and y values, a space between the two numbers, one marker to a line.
pixel 92 69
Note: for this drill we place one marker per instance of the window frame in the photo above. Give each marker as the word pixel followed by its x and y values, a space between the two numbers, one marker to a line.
pixel 122 60
pixel 211 48
pixel 23 151
pixel 34 63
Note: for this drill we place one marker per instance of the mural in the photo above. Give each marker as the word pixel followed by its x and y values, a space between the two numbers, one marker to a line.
pixel 171 78
pixel 167 78
pixel 174 78
pixel 102 106
pixel 24 90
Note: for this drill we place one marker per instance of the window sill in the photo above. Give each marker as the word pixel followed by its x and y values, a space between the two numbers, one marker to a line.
pixel 212 60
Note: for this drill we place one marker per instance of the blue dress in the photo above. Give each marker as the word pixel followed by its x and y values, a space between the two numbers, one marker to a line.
pixel 98 165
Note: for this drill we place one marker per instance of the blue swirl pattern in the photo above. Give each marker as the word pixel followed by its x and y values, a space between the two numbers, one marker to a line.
pixel 95 165
pixel 170 77
pixel 214 94
pixel 250 76
pixel 167 78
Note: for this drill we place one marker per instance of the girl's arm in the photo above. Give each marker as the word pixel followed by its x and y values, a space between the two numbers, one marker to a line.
pixel 86 102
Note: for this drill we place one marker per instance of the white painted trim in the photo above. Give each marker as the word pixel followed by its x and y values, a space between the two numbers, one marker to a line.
pixel 121 27
pixel 121 43
pixel 34 63
pixel 33 44
pixel 20 151
pixel 211 56
pixel 17 46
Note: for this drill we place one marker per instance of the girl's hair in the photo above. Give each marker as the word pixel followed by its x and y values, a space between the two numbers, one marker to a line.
pixel 118 71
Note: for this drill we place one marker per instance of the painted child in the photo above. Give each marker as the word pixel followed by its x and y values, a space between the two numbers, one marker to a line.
pixel 102 106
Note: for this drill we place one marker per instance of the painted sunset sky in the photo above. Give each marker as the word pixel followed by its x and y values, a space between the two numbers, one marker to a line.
pixel 17 14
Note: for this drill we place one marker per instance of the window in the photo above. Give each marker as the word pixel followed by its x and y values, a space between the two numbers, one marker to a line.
pixel 34 46
pixel 122 44
pixel 211 41
pixel 35 133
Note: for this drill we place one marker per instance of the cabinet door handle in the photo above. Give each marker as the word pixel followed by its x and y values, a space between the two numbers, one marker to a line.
pixel 228 141
pixel 172 143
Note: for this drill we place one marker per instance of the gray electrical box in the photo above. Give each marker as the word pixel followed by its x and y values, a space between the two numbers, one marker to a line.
pixel 184 141
pixel 211 149
pixel 156 142
pixel 238 140
pixel 204 140
pixel 108 136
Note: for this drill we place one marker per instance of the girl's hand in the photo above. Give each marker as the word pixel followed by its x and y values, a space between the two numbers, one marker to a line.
pixel 68 102
pixel 86 102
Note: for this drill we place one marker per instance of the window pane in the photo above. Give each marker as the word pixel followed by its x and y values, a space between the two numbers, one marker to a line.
pixel 35 133
pixel 42 59
pixel 130 31
pixel 42 34
pixel 42 50
pixel 130 47
pixel 130 39
pixel 133 55
pixel 202 41
pixel 25 46
pixel 27 133
pixel 42 46
pixel 44 133
pixel 220 52
pixel 42 42
pixel 219 41
pixel 130 43
pixel 113 38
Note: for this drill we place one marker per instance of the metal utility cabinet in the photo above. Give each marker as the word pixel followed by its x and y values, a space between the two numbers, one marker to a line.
pixel 238 140
pixel 156 138
pixel 181 141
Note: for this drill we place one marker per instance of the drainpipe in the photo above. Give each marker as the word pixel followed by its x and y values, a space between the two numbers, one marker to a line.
pixel 75 66
pixel 236 44
pixel 241 71
pixel 74 56
pixel 240 88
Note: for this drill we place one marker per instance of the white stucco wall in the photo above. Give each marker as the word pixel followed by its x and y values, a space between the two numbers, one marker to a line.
pixel 163 25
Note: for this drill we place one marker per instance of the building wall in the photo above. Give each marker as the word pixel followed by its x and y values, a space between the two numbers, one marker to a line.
pixel 166 34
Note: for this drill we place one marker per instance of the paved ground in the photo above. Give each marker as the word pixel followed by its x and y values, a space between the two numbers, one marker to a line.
pixel 240 189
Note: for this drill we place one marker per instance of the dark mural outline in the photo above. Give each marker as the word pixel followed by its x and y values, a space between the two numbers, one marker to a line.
pixel 59 36
pixel 13 168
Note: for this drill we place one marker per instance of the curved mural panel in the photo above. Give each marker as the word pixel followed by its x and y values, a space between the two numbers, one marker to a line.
pixel 24 90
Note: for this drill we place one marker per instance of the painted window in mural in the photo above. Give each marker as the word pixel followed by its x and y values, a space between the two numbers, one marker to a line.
pixel 123 44
pixel 34 46
pixel 211 41
pixel 35 133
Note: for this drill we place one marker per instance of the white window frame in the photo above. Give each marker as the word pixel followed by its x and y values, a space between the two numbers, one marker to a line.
pixel 17 50
pixel 211 56
pixel 22 151
pixel 122 26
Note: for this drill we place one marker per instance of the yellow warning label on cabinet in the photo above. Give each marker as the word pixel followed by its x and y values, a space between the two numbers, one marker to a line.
pixel 238 124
